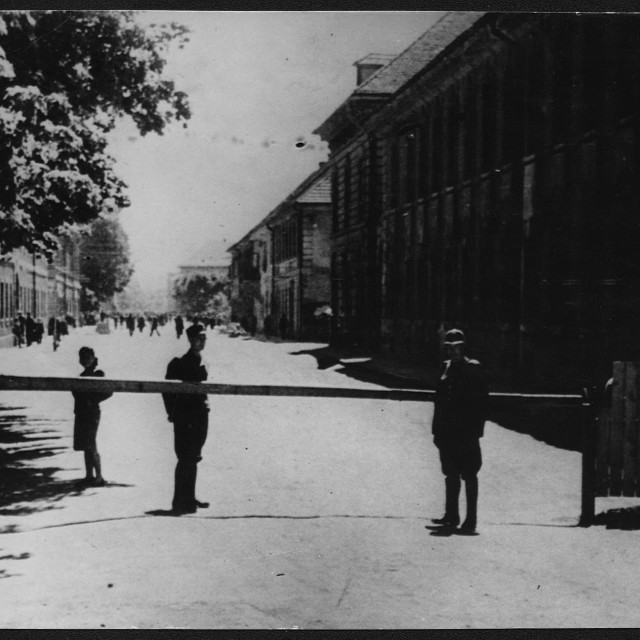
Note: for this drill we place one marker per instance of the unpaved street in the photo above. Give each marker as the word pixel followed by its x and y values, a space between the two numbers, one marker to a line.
pixel 317 518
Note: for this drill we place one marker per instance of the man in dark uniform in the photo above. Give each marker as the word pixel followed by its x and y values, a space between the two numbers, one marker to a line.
pixel 458 424
pixel 190 416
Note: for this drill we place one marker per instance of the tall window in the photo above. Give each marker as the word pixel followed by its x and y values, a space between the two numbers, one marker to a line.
pixel 423 157
pixel 334 201
pixel 513 133
pixel 394 173
pixel 562 79
pixel 469 130
pixel 438 148
pixel 363 185
pixel 453 139
pixel 410 165
pixel 489 118
pixel 347 190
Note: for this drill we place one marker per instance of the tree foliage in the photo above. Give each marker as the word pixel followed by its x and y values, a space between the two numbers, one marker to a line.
pixel 65 79
pixel 200 294
pixel 104 255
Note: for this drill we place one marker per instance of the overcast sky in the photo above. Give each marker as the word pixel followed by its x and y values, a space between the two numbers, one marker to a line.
pixel 258 82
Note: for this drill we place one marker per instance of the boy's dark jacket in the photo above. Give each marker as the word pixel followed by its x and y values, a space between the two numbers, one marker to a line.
pixel 88 402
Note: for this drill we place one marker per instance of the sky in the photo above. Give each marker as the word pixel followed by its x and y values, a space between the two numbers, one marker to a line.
pixel 258 84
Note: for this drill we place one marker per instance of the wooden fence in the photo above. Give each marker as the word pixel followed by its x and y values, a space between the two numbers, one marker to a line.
pixel 617 451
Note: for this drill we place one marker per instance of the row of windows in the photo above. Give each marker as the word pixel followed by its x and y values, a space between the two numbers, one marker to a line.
pixel 578 72
pixel 9 306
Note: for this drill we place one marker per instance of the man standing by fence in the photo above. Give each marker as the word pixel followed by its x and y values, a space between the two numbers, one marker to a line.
pixel 458 424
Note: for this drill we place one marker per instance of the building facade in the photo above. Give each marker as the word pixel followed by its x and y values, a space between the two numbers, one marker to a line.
pixel 32 285
pixel 281 268
pixel 495 189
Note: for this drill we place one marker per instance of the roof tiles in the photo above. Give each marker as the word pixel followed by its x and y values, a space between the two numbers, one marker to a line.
pixel 424 50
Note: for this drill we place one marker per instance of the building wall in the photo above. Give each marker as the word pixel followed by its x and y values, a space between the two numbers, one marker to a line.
pixel 35 287
pixel 302 263
pixel 507 205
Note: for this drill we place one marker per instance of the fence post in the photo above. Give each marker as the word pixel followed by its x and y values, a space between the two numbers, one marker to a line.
pixel 589 435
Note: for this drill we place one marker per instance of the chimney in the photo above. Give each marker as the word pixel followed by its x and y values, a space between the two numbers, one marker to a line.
pixel 368 65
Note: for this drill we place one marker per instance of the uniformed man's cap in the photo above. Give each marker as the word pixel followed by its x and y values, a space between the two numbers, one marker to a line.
pixel 454 336
pixel 195 330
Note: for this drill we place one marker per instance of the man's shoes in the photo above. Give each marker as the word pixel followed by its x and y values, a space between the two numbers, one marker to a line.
pixel 447 521
pixel 468 528
pixel 180 511
pixel 98 482
pixel 202 505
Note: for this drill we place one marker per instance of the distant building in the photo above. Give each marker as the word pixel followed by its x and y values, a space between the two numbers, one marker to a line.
pixel 32 285
pixel 282 266
pixel 212 260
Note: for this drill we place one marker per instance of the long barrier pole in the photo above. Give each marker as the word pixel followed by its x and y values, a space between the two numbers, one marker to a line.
pixel 501 400
pixel 102 385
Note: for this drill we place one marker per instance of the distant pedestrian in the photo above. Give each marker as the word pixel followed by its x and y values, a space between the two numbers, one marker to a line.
pixel 283 325
pixel 22 321
pixel 87 419
pixel 17 333
pixel 190 417
pixel 141 323
pixel 131 324
pixel 154 325
pixel 39 330
pixel 458 424
pixel 179 322
pixel 29 328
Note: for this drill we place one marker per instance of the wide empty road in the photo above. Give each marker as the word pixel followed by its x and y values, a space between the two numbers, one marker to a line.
pixel 317 518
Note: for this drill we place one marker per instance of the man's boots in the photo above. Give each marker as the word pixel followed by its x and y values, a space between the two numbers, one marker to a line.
pixel 451 512
pixel 470 523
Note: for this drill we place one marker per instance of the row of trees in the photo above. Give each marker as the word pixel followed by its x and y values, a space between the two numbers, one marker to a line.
pixel 202 295
pixel 66 78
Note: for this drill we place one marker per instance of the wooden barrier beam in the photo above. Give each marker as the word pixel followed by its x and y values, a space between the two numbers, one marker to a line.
pixel 28 383
pixel 102 385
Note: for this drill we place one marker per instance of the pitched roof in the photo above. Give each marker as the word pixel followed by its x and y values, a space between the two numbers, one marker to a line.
pixel 320 192
pixel 315 188
pixel 420 53
pixel 373 93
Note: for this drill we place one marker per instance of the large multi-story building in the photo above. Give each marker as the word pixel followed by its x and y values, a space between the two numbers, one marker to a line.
pixel 495 188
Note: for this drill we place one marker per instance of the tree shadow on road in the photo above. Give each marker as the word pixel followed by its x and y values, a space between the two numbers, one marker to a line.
pixel 4 573
pixel 27 485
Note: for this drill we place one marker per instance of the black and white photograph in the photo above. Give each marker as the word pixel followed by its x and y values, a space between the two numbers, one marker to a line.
pixel 319 320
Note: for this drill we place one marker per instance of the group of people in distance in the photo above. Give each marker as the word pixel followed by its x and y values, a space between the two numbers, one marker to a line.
pixel 460 411
pixel 28 330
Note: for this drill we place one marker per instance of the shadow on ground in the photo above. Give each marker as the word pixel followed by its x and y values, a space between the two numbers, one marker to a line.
pixel 4 573
pixel 627 519
pixel 365 368
pixel 557 426
pixel 27 485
